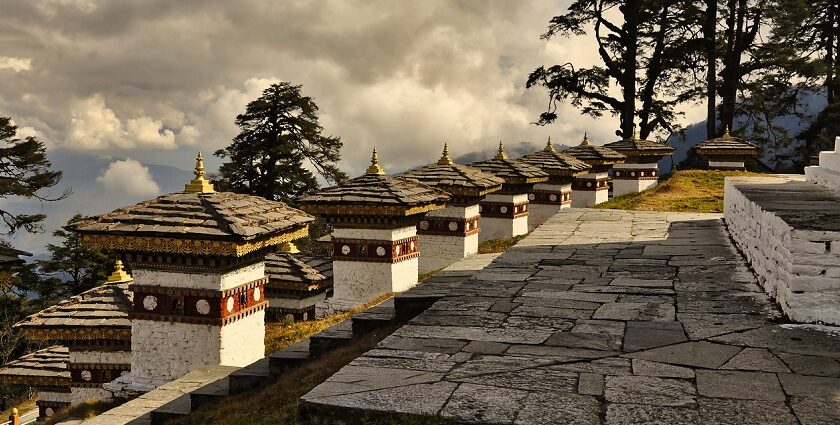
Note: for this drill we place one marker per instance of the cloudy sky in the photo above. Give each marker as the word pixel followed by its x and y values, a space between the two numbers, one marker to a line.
pixel 153 81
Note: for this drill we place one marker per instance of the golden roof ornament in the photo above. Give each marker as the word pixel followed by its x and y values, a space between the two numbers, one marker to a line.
pixel 548 146
pixel 374 167
pixel 726 132
pixel 199 184
pixel 445 159
pixel 289 247
pixel 501 153
pixel 119 275
pixel 585 141
pixel 635 133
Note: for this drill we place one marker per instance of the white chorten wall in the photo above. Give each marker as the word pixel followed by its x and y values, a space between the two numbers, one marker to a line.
pixel 634 178
pixel 368 263
pixel 827 174
pixel 546 200
pixel 590 189
pixel 503 216
pixel 221 322
pixel 448 235
pixel 727 165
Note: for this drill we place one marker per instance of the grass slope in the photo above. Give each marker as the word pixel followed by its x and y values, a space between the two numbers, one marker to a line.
pixel 685 191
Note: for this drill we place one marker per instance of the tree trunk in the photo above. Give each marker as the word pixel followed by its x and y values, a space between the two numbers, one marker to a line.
pixel 731 62
pixel 629 63
pixel 710 36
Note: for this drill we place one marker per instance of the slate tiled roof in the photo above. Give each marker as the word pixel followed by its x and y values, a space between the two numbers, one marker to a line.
pixel 101 312
pixel 374 193
pixel 10 257
pixel 512 171
pixel 556 163
pixel 727 144
pixel 205 216
pixel 635 147
pixel 298 269
pixel 47 367
pixel 456 179
pixel 595 155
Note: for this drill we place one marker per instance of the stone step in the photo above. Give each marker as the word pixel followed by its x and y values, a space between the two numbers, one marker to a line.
pixel 179 407
pixel 374 318
pixel 249 377
pixel 408 305
pixel 210 393
pixel 288 358
pixel 331 338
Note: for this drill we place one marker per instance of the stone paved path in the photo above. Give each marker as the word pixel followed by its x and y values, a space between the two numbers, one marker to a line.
pixel 602 317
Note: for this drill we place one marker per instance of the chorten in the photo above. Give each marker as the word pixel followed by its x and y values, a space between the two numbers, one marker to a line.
pixel 375 244
pixel 505 213
pixel 451 233
pixel 593 188
pixel 726 152
pixel 46 371
pixel 95 329
pixel 296 283
pixel 555 194
pixel 640 171
pixel 198 262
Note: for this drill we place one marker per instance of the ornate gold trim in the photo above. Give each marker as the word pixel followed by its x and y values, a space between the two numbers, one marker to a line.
pixel 76 333
pixel 372 210
pixel 188 246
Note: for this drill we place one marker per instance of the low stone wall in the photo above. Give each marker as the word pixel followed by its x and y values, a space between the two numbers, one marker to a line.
pixel 799 267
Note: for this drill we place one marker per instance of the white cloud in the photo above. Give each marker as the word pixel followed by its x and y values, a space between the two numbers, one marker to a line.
pixel 129 177
pixel 15 64
pixel 95 126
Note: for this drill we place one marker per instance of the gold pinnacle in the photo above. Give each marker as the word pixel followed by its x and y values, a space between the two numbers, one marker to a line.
pixel 445 159
pixel 289 247
pixel 548 146
pixel 501 153
pixel 585 141
pixel 119 275
pixel 635 133
pixel 726 132
pixel 199 184
pixel 375 168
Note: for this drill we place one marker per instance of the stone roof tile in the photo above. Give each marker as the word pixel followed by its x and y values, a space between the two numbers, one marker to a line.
pixel 43 367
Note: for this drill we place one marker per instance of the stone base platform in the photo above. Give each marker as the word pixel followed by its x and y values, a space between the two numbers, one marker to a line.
pixel 598 317
pixel 789 231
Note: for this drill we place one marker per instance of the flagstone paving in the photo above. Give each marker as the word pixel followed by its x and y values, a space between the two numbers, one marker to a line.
pixel 611 317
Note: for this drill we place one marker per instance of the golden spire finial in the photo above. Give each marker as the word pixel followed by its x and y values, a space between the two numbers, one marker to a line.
pixel 289 247
pixel 548 146
pixel 119 275
pixel 374 168
pixel 635 133
pixel 445 159
pixel 726 132
pixel 199 184
pixel 501 153
pixel 585 141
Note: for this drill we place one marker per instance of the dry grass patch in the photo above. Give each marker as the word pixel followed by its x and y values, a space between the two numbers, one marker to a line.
pixel 86 410
pixel 498 245
pixel 280 335
pixel 685 191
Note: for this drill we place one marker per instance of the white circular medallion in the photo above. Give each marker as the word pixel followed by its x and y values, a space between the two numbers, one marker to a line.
pixel 453 226
pixel 588 184
pixel 618 173
pixel 642 174
pixel 257 294
pixel 398 249
pixel 632 174
pixel 345 249
pixel 202 307
pixel 49 411
pixel 150 302
pixel 411 246
pixel 230 304
pixel 86 375
pixel 503 209
pixel 552 197
pixel 424 225
pixel 380 251
pixel 531 197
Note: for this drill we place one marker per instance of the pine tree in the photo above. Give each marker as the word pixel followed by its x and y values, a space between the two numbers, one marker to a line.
pixel 24 172
pixel 279 145
pixel 73 267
